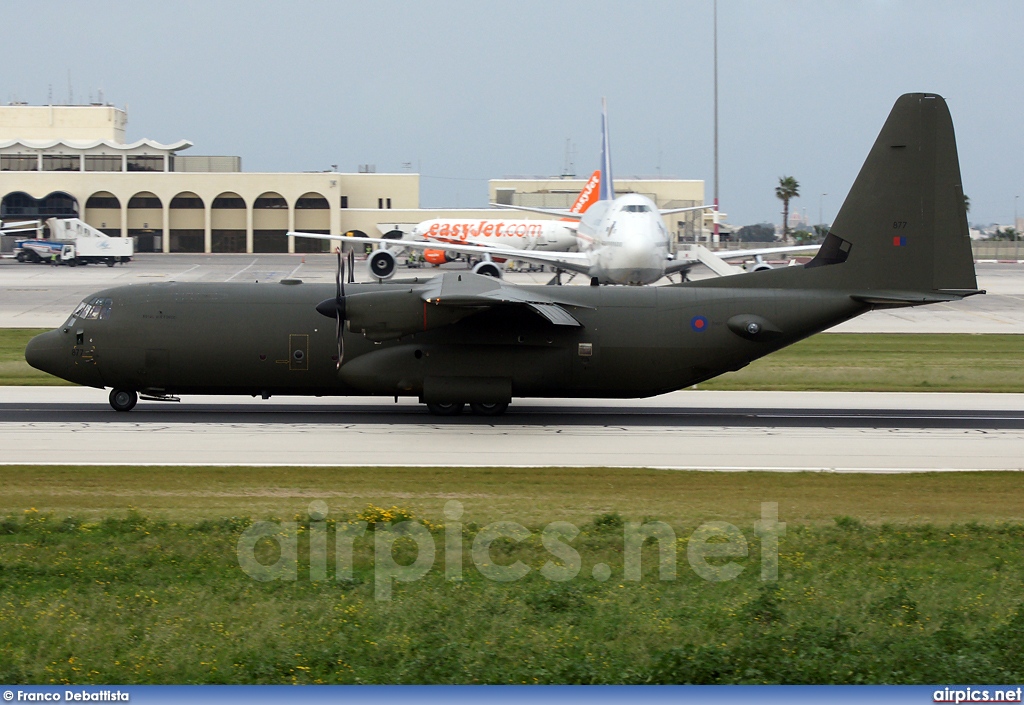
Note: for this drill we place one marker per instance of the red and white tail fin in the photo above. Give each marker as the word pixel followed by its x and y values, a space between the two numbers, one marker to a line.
pixel 589 195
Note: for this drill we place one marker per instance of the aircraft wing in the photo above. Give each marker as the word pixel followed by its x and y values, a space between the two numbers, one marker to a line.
pixel 343 238
pixel 560 212
pixel 670 211
pixel 567 261
pixel 477 291
pixel 736 254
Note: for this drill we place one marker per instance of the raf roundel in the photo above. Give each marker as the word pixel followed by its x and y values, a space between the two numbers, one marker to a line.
pixel 699 323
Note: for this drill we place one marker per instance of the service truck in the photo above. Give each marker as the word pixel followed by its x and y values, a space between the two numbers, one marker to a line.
pixel 75 242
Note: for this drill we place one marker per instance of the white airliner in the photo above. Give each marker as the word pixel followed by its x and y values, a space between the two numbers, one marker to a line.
pixel 548 235
pixel 619 240
pixel 519 234
pixel 485 236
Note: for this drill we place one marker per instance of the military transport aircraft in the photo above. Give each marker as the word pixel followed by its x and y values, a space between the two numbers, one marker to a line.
pixel 617 240
pixel 900 239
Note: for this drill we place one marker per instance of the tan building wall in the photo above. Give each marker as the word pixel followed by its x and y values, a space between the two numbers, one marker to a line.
pixel 561 193
pixel 251 212
pixel 255 211
pixel 62 122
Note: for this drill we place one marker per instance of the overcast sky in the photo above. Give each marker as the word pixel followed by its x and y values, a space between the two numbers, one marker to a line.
pixel 465 90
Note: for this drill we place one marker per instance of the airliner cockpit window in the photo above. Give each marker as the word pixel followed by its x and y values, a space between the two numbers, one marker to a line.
pixel 636 209
pixel 94 309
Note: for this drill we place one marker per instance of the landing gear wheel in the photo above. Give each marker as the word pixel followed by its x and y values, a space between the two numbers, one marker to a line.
pixel 450 409
pixel 110 262
pixel 493 409
pixel 123 400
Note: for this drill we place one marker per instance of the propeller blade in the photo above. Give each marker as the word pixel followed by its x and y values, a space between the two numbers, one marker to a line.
pixel 337 276
pixel 339 309
pixel 341 342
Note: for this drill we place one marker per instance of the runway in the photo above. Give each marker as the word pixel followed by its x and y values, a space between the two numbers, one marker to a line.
pixel 770 431
pixel 38 296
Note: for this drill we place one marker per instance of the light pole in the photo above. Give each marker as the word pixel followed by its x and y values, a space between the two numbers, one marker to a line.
pixel 715 51
pixel 821 218
pixel 1016 234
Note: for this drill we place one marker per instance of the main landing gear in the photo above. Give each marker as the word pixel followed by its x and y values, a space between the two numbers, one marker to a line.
pixel 123 400
pixel 480 409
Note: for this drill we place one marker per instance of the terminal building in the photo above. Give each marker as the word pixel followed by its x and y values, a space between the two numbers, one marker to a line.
pixel 73 161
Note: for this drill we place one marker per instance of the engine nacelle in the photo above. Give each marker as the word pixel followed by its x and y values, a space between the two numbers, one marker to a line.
pixel 488 269
pixel 758 267
pixel 382 264
pixel 394 313
pixel 437 256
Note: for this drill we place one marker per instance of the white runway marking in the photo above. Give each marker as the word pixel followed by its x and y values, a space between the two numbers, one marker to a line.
pixel 251 264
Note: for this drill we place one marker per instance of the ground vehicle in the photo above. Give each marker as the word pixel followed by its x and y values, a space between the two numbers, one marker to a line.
pixel 75 242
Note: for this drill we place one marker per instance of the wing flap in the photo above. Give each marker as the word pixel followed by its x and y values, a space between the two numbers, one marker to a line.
pixel 556 314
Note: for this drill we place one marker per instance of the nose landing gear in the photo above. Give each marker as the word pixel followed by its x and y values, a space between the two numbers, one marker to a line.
pixel 123 400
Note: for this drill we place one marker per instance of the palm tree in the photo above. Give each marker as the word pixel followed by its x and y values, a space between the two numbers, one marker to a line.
pixel 788 188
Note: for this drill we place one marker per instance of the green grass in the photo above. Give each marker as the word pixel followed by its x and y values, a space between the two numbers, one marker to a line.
pixel 13 368
pixel 883 362
pixel 131 600
pixel 526 495
pixel 878 362
pixel 130 575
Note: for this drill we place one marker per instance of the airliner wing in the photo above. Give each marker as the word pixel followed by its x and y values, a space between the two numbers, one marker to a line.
pixel 567 261
pixel 736 254
pixel 560 212
pixel 670 211
pixel 343 238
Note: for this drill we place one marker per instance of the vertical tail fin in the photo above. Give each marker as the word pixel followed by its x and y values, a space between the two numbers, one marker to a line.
pixel 589 194
pixel 607 192
pixel 904 224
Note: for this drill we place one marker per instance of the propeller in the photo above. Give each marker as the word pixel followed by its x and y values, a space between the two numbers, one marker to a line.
pixel 335 308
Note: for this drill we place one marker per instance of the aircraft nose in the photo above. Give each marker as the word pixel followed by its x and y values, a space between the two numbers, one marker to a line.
pixel 43 352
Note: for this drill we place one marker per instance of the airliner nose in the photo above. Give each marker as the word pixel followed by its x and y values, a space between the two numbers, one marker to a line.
pixel 43 352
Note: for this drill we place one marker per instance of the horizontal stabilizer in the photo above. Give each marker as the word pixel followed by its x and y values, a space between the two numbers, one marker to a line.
pixel 894 299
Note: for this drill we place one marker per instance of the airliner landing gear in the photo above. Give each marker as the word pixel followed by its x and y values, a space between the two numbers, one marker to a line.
pixel 123 400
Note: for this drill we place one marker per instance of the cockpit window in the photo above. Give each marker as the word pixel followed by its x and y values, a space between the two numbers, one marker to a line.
pixel 636 209
pixel 94 309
